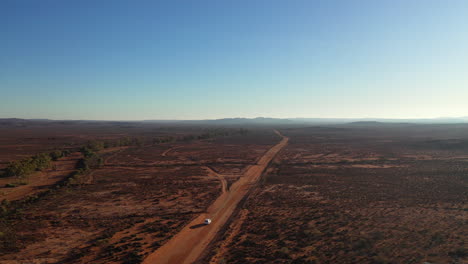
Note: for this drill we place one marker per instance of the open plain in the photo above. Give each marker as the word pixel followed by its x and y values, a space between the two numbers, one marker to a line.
pixel 135 201
pixel 352 193
pixel 358 193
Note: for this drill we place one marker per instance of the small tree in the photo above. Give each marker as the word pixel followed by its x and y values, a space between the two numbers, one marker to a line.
pixel 41 161
pixel 56 154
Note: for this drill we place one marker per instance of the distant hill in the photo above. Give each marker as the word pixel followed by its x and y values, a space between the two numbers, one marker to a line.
pixel 15 122
pixel 227 121
pixel 258 120
pixel 366 123
pixel 375 121
pixel 242 121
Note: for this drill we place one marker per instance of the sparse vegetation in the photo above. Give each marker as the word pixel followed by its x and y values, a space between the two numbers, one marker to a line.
pixel 345 196
pixel 23 168
pixel 57 154
pixel 160 188
pixel 334 197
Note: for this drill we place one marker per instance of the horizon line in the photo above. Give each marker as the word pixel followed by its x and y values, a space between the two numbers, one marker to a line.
pixel 248 118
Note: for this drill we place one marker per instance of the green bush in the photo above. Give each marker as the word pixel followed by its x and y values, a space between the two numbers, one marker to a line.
pixel 41 161
pixel 87 152
pixel 25 167
pixel 56 154
pixel 95 145
pixel 91 161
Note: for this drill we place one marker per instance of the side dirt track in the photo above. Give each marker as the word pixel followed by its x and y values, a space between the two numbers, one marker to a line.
pixel 189 244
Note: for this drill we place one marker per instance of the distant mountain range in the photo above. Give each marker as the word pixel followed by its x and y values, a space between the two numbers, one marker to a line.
pixel 248 121
pixel 440 120
pixel 232 121
pixel 267 120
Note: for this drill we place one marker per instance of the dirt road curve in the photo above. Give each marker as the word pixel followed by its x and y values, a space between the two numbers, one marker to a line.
pixel 192 240
pixel 219 176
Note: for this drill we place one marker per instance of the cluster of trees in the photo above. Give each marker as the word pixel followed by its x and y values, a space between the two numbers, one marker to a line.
pixel 57 154
pixel 126 141
pixel 210 133
pixel 95 146
pixel 91 148
pixel 221 132
pixel 23 168
pixel 161 140
pixel 91 159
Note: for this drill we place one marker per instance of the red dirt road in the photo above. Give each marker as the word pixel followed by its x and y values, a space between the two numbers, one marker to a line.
pixel 193 239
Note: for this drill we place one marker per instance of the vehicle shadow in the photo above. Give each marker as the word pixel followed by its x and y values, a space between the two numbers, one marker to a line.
pixel 197 226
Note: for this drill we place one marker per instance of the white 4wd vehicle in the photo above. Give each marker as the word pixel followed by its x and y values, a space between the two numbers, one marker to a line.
pixel 207 221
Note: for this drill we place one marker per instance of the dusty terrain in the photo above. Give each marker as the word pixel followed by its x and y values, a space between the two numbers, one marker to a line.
pixel 357 194
pixel 22 138
pixel 133 204
pixel 191 242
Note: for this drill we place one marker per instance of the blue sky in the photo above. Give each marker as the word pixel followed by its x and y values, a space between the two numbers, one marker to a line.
pixel 133 60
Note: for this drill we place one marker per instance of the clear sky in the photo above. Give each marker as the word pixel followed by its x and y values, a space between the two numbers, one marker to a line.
pixel 174 59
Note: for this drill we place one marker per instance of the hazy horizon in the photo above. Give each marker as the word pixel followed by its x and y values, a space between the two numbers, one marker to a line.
pixel 116 60
pixel 350 119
